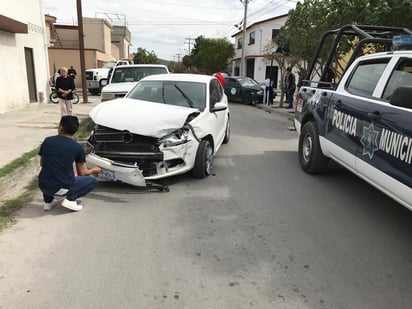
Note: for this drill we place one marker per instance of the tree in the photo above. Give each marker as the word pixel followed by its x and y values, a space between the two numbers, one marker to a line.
pixel 209 55
pixel 142 56
pixel 310 19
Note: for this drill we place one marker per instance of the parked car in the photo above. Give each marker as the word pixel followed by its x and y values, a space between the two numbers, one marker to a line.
pixel 244 89
pixel 124 77
pixel 168 124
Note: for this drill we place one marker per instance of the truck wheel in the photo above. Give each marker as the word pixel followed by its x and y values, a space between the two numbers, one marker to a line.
pixel 94 91
pixel 310 154
pixel 203 161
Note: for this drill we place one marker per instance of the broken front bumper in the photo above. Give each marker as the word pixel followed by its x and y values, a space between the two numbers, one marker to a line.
pixel 117 171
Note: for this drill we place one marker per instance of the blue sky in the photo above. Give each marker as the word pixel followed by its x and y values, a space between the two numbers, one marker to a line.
pixel 164 26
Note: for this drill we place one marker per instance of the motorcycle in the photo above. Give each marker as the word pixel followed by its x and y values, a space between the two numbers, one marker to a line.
pixel 54 98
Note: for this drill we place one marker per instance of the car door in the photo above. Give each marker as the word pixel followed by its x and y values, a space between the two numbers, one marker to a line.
pixel 345 115
pixel 217 119
pixel 232 89
pixel 385 154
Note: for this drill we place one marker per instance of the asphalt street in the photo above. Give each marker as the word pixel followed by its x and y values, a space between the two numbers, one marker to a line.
pixel 258 233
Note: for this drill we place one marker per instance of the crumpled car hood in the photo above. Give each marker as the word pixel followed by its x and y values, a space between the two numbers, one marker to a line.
pixel 119 87
pixel 141 117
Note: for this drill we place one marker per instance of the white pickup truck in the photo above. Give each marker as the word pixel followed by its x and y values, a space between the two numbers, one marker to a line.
pixel 96 77
pixel 360 117
pixel 124 77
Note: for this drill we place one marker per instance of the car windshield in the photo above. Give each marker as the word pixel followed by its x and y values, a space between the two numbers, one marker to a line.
pixel 179 93
pixel 134 74
pixel 245 82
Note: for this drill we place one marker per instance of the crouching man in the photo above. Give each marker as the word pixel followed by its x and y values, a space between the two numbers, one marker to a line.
pixel 56 178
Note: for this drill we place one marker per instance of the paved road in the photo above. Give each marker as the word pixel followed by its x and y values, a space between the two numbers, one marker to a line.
pixel 259 233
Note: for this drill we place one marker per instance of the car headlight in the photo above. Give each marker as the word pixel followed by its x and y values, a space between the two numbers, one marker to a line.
pixel 176 138
pixel 107 96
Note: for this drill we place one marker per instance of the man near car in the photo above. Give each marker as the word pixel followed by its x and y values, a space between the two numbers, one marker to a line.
pixel 57 178
pixel 290 86
pixel 65 87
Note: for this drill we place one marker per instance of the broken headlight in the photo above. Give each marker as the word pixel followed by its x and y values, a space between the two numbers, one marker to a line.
pixel 175 138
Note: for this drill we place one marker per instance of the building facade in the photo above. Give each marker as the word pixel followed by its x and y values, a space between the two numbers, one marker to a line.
pixel 23 54
pixel 258 35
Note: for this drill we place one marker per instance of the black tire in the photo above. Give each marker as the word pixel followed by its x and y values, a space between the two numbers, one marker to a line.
pixel 248 100
pixel 310 153
pixel 94 91
pixel 226 139
pixel 53 97
pixel 75 98
pixel 203 161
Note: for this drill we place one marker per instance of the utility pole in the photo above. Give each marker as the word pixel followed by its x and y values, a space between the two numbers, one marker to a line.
pixel 242 58
pixel 81 50
pixel 189 42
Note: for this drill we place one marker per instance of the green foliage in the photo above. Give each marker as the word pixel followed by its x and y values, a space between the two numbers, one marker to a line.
pixel 22 161
pixel 310 19
pixel 209 55
pixel 85 128
pixel 142 56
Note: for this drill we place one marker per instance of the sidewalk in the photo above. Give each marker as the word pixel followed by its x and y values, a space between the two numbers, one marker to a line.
pixel 23 130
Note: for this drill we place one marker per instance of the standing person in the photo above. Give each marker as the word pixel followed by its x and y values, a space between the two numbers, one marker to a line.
pixel 56 178
pixel 64 88
pixel 290 86
pixel 72 72
pixel 221 79
pixel 267 90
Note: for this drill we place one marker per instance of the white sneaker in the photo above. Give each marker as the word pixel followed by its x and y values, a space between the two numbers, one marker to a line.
pixel 72 205
pixel 49 206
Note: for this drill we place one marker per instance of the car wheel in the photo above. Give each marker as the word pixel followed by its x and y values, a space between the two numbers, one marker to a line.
pixel 248 100
pixel 94 91
pixel 203 161
pixel 227 132
pixel 310 154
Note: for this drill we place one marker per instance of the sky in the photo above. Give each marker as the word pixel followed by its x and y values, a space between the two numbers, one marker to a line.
pixel 166 27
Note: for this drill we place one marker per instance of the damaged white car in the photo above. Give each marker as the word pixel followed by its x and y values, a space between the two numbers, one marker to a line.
pixel 168 124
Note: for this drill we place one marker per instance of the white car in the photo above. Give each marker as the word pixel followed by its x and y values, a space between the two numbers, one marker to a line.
pixel 168 124
pixel 124 77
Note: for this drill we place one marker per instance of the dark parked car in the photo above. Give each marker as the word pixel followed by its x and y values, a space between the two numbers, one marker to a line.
pixel 244 89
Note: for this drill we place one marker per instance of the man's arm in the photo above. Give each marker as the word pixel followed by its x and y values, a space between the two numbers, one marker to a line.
pixel 82 170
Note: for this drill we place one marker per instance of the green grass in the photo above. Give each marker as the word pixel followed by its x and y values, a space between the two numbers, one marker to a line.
pixel 11 206
pixel 22 161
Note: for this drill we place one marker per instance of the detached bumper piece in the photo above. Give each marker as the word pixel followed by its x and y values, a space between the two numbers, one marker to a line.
pixel 120 172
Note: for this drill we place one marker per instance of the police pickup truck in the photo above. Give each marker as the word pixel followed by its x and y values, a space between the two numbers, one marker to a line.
pixel 361 116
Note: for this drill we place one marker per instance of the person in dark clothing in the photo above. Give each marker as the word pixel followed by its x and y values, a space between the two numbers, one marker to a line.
pixel 72 72
pixel 290 86
pixel 57 179
pixel 65 87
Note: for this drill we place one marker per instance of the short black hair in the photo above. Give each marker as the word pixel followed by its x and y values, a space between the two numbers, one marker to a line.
pixel 70 124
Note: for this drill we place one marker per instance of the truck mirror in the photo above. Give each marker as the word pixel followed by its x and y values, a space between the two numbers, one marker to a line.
pixel 103 82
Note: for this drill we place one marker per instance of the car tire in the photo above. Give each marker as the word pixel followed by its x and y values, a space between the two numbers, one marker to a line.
pixel 248 100
pixel 203 161
pixel 94 91
pixel 226 139
pixel 310 153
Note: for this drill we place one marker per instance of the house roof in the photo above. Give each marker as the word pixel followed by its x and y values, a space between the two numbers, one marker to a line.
pixel 259 22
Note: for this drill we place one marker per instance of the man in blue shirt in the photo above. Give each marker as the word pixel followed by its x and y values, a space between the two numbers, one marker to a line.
pixel 56 178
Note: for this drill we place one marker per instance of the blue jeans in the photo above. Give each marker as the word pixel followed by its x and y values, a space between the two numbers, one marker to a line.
pixel 82 185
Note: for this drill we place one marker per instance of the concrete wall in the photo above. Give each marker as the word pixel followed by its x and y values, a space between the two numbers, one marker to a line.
pixel 263 35
pixel 13 80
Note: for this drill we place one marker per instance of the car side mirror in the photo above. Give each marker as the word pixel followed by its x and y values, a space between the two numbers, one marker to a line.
pixel 402 97
pixel 219 106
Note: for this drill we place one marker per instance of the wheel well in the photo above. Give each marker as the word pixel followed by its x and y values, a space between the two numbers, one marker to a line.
pixel 306 119
pixel 210 139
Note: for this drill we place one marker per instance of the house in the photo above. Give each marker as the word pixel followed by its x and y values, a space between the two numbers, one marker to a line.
pixel 103 42
pixel 23 55
pixel 257 36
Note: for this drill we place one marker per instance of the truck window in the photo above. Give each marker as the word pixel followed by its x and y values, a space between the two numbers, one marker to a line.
pixel 401 76
pixel 365 77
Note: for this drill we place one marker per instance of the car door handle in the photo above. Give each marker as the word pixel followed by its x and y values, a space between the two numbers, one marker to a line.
pixel 375 116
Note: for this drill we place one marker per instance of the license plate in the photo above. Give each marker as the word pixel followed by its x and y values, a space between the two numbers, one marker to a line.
pixel 107 176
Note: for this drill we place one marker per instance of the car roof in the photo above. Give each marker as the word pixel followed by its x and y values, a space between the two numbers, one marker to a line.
pixel 141 66
pixel 200 78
